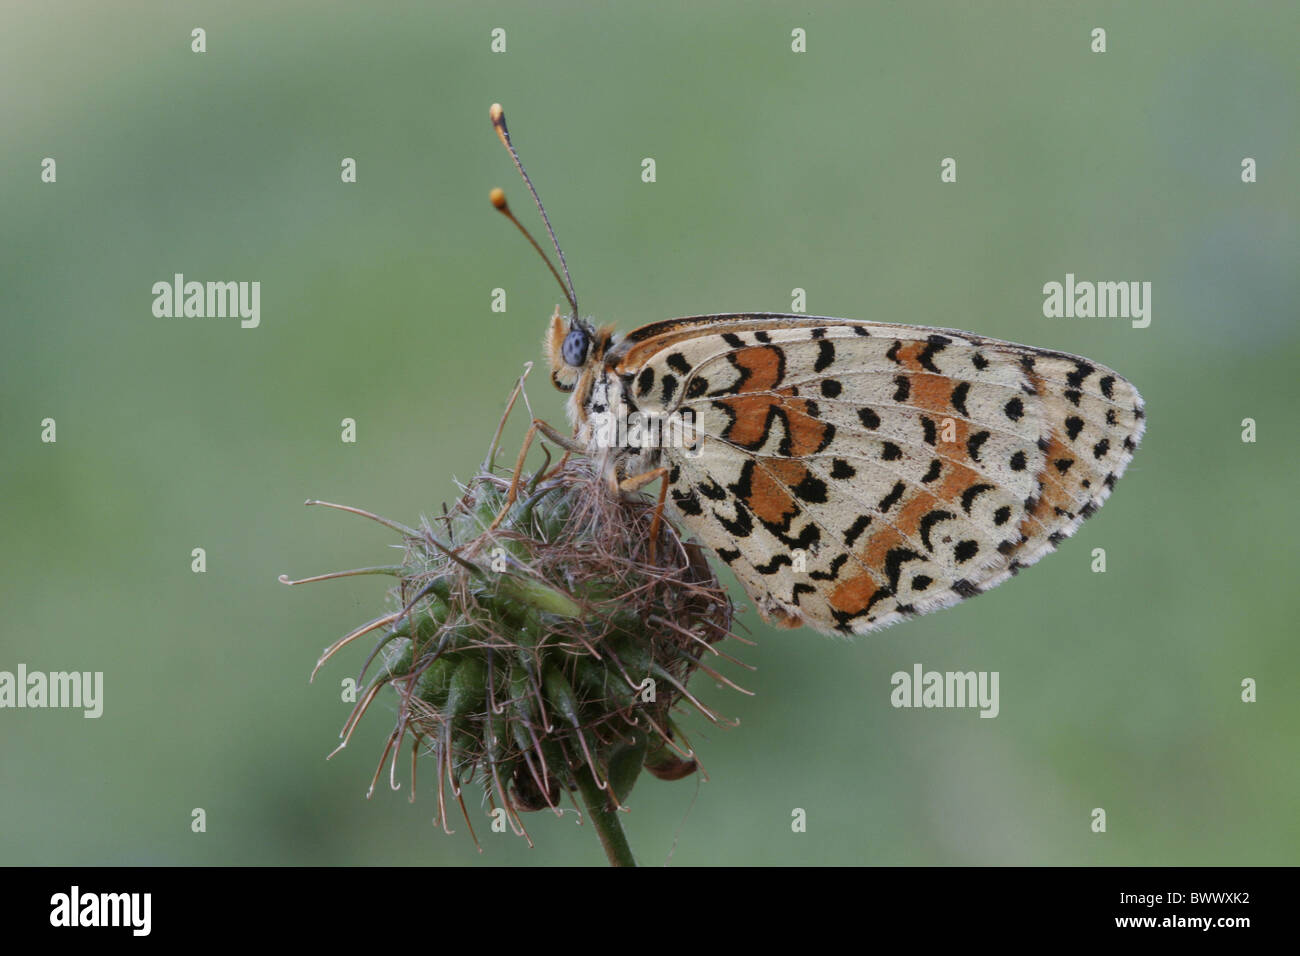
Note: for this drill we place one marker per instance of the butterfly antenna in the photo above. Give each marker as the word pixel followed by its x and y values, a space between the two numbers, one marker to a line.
pixel 498 198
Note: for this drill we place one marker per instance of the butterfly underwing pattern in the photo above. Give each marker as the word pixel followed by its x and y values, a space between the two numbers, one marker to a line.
pixel 850 473
pixel 853 473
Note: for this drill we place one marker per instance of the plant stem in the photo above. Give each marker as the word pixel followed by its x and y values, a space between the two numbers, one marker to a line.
pixel 604 817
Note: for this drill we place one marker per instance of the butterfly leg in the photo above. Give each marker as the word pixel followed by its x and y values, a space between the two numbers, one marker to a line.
pixel 636 482
pixel 568 444
pixel 505 416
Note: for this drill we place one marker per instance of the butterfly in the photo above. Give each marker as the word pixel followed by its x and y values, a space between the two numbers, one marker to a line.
pixel 850 473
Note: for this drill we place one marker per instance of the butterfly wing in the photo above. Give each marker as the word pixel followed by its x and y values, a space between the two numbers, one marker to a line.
pixel 854 473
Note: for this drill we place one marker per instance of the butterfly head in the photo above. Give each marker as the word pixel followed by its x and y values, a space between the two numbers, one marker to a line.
pixel 575 351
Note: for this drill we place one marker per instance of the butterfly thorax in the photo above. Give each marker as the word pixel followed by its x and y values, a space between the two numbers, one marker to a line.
pixel 610 426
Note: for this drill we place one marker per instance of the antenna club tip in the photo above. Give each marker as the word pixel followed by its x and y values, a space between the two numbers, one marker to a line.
pixel 496 113
pixel 498 197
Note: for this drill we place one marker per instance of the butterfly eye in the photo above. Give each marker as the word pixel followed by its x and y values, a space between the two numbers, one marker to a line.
pixel 574 349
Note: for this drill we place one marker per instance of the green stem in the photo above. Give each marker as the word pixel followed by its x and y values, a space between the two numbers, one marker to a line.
pixel 601 812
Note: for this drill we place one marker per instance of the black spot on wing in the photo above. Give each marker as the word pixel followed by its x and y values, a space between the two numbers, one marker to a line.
pixel 894 563
pixel 742 526
pixel 825 353
pixel 711 489
pixel 1081 371
pixel 743 486
pixel 855 530
pixel 928 522
pixel 935 345
pixel 688 502
pixel 811 490
pixel 774 565
pixel 831 573
pixel 970 494
pixel 807 538
pixel 958 398
pixel 891 499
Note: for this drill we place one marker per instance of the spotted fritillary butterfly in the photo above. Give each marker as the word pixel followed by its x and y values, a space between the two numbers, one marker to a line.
pixel 850 473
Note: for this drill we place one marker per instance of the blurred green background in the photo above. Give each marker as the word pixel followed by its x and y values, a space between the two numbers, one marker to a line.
pixel 775 170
